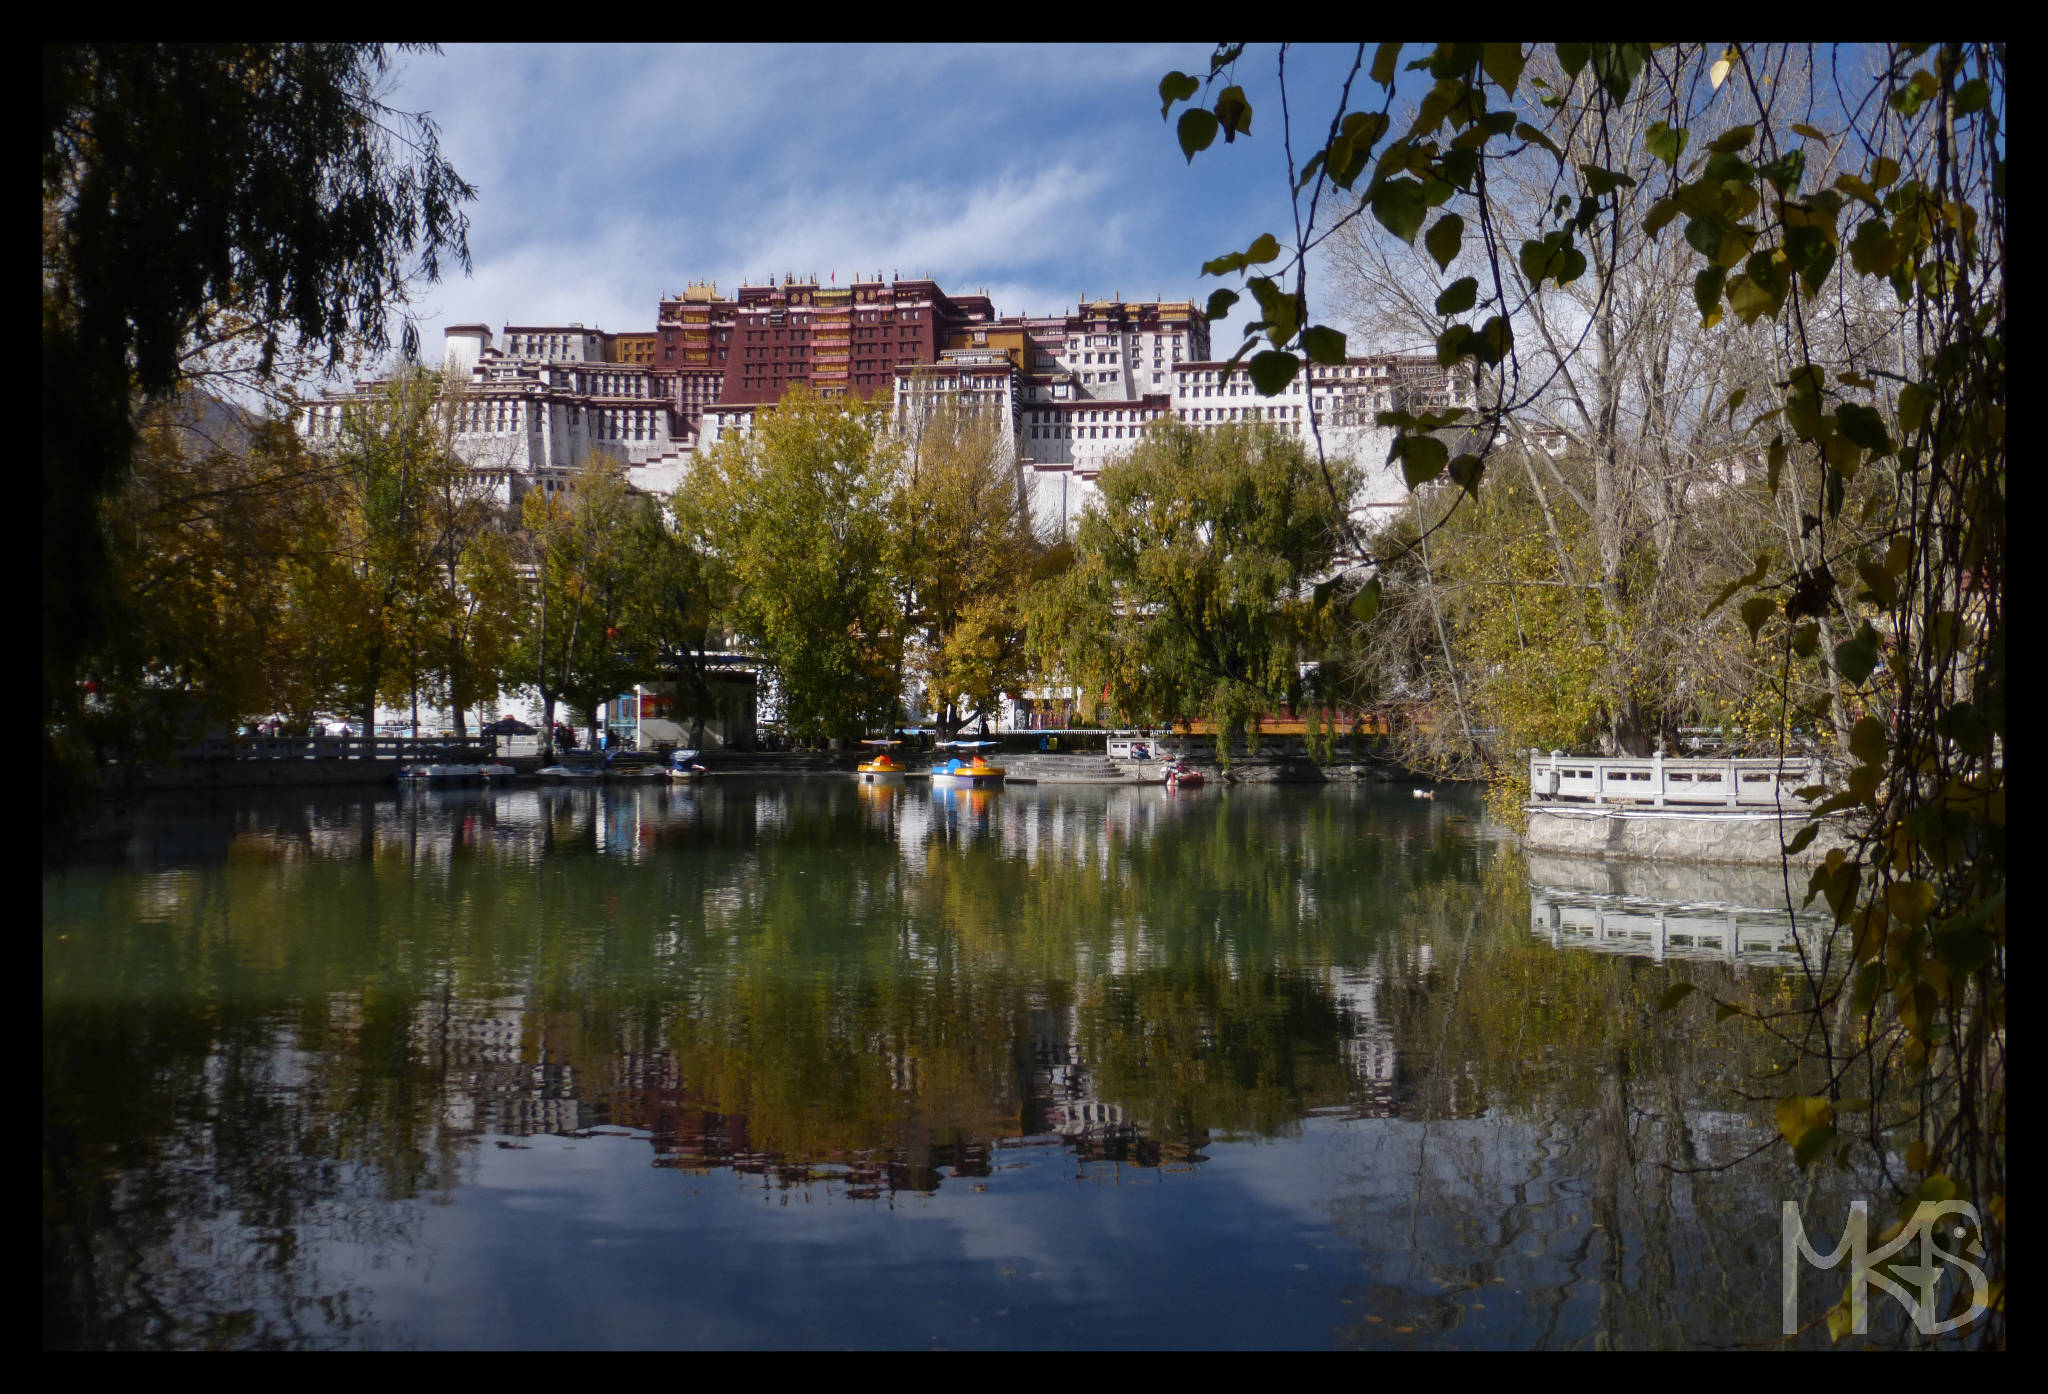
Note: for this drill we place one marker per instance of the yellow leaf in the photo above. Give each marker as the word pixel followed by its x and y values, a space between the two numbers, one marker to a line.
pixel 1800 1114
pixel 1910 900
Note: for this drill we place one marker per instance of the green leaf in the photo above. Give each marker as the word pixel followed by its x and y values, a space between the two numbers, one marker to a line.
pixel 1265 247
pixel 1806 639
pixel 1233 113
pixel 1784 172
pixel 1601 182
pixel 1452 344
pixel 1383 60
pixel 1272 370
pixel 1756 611
pixel 1175 87
pixel 1443 239
pixel 1722 1011
pixel 1423 458
pixel 1503 63
pixel 1490 343
pixel 1883 588
pixel 1855 658
pixel 1224 265
pixel 1459 296
pixel 1868 741
pixel 1816 1144
pixel 1673 995
pixel 1734 138
pixel 1366 603
pixel 1666 142
pixel 1197 131
pixel 1909 98
pixel 1615 66
pixel 1864 426
pixel 1323 344
pixel 1726 166
pixel 1916 403
pixel 1810 132
pixel 1706 293
pixel 1775 461
pixel 1220 303
pixel 1703 235
pixel 1964 950
pixel 1802 839
pixel 1535 137
pixel 1399 206
pixel 1466 472
pixel 1573 57
pixel 1972 96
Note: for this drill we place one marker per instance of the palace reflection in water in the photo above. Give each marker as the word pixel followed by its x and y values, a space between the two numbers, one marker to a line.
pixel 295 1049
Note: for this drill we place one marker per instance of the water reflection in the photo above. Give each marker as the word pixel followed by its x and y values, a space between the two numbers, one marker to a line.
pixel 1736 914
pixel 289 1044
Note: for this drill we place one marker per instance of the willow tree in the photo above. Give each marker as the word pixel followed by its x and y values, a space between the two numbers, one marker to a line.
pixel 963 554
pixel 179 181
pixel 1193 589
pixel 1848 204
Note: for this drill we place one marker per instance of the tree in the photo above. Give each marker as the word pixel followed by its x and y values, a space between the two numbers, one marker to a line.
pixel 673 609
pixel 411 507
pixel 798 515
pixel 204 534
pixel 1881 424
pixel 1192 592
pixel 179 181
pixel 963 553
pixel 473 653
pixel 581 641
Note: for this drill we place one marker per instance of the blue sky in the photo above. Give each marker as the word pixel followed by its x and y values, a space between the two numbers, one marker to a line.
pixel 608 176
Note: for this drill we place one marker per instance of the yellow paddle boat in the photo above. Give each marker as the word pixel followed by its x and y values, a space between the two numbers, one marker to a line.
pixel 883 769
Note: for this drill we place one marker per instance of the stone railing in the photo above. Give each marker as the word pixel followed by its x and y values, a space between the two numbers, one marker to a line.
pixel 340 748
pixel 1661 783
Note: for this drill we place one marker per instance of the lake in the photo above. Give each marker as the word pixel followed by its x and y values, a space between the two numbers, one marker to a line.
pixel 803 1063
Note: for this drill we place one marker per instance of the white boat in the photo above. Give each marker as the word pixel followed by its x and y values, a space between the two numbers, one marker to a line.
pixel 974 772
pixel 443 774
pixel 560 773
pixel 497 772
pixel 683 766
pixel 1180 776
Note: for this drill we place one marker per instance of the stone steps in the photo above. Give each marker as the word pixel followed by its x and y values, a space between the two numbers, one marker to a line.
pixel 1068 769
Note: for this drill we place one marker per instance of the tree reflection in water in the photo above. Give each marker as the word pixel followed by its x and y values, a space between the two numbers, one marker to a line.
pixel 290 1018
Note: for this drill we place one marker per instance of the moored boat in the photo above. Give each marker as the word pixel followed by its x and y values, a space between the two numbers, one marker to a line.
pixel 443 774
pixel 683 766
pixel 972 773
pixel 884 768
pixel 1180 776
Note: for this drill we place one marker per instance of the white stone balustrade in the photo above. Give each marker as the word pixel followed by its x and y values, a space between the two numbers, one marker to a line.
pixel 1660 783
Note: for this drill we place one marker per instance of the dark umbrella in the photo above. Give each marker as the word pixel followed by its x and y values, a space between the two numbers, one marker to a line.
pixel 509 726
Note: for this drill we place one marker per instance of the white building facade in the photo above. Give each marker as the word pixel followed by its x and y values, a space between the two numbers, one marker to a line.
pixel 532 415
